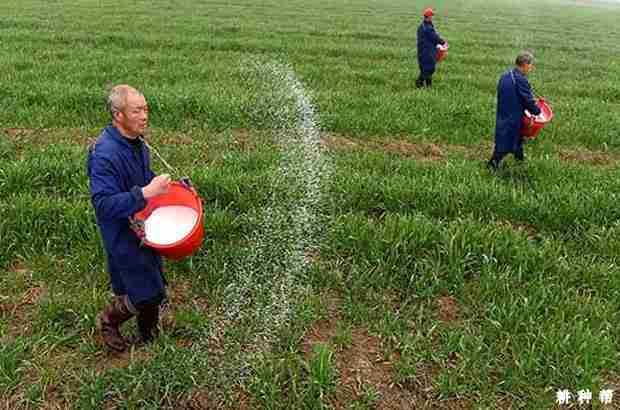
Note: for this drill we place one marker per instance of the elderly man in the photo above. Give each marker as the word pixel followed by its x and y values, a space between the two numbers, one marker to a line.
pixel 121 181
pixel 427 49
pixel 514 96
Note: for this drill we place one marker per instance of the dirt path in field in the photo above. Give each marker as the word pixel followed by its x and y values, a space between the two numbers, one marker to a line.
pixel 426 151
pixel 242 140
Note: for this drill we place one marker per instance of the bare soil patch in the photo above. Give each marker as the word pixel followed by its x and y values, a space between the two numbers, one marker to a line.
pixel 425 151
pixel 447 309
pixel 588 157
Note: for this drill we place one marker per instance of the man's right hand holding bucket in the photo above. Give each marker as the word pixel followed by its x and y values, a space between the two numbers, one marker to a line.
pixel 158 185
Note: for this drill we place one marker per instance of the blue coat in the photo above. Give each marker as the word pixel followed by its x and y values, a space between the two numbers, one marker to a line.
pixel 514 95
pixel 117 170
pixel 427 47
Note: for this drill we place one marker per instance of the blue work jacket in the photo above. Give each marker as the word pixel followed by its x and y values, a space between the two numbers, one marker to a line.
pixel 117 171
pixel 514 95
pixel 428 40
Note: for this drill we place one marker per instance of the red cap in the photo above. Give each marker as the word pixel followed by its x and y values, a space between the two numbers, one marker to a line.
pixel 428 12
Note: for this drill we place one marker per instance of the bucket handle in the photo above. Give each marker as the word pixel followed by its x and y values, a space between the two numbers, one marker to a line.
pixel 137 226
pixel 187 183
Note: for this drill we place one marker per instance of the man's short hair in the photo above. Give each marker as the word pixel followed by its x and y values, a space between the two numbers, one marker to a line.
pixel 524 58
pixel 117 98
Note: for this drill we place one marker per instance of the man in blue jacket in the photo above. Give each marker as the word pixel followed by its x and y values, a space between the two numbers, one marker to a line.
pixel 427 49
pixel 121 181
pixel 514 96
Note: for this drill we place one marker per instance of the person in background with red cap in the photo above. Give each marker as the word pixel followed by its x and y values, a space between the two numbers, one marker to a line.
pixel 428 40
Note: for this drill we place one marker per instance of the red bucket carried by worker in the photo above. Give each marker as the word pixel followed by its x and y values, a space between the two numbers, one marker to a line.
pixel 531 124
pixel 172 223
pixel 442 52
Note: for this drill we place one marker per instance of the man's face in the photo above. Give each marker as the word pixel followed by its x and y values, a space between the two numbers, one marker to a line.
pixel 134 118
pixel 527 68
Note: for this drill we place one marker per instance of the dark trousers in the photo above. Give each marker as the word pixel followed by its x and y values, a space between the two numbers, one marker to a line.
pixel 424 80
pixel 498 156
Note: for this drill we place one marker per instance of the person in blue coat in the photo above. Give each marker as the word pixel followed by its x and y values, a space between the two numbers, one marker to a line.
pixel 428 40
pixel 514 96
pixel 121 181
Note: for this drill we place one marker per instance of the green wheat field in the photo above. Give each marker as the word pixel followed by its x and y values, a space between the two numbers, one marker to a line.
pixel 424 281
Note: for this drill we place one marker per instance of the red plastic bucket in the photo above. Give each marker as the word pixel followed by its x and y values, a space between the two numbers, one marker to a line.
pixel 530 125
pixel 179 194
pixel 442 52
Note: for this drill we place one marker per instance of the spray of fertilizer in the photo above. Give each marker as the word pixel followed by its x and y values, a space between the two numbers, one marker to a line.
pixel 260 302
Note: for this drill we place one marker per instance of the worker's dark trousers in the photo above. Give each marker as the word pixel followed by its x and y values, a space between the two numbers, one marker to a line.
pixel 498 156
pixel 424 80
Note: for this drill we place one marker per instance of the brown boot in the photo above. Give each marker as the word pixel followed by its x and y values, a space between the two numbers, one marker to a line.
pixel 148 319
pixel 109 321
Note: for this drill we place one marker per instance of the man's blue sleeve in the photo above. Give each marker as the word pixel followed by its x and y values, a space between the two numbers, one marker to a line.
pixel 435 37
pixel 525 96
pixel 109 201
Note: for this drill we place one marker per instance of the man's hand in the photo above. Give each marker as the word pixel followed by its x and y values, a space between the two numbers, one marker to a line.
pixel 541 117
pixel 159 185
